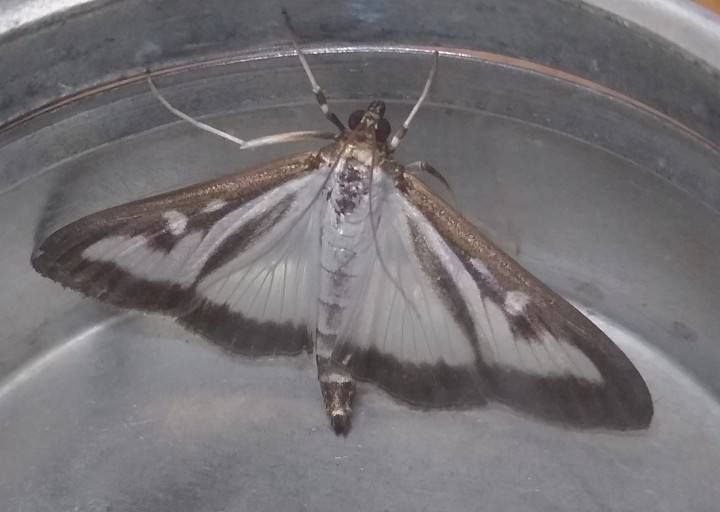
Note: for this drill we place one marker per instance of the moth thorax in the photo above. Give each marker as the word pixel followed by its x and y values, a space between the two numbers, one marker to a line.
pixel 367 155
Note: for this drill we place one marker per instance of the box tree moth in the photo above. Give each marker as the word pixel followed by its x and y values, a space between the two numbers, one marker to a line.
pixel 347 253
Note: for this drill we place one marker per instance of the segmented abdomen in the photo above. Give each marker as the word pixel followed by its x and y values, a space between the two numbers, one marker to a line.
pixel 345 239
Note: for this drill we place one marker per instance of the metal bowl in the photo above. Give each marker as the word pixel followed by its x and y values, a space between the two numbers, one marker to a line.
pixel 585 145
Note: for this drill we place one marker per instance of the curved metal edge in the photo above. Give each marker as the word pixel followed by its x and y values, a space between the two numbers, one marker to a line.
pixel 686 24
pixel 323 49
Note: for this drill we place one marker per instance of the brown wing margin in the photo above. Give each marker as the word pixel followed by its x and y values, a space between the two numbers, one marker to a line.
pixel 622 401
pixel 60 257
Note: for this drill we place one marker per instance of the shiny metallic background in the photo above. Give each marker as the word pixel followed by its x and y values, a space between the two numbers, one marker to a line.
pixel 584 141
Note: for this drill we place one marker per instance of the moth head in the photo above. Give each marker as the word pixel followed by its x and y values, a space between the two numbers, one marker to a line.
pixel 371 121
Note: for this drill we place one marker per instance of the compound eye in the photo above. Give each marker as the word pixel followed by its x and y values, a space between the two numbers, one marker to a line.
pixel 382 132
pixel 355 118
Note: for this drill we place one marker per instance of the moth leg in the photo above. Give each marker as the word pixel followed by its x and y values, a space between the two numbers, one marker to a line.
pixel 338 391
pixel 403 129
pixel 438 184
pixel 424 167
pixel 319 94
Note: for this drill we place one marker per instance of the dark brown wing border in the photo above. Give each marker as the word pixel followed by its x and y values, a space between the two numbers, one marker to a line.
pixel 621 402
pixel 60 258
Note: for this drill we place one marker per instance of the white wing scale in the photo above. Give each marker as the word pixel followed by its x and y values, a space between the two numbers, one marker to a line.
pixel 445 325
pixel 445 318
pixel 235 268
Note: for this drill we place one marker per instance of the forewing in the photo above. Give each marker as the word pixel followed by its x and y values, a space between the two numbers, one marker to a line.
pixel 232 259
pixel 450 320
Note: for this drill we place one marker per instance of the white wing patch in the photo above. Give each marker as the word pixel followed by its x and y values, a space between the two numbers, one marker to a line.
pixel 276 278
pixel 515 302
pixel 399 314
pixel 214 205
pixel 547 357
pixel 176 222
pixel 403 315
pixel 134 255
pixel 271 280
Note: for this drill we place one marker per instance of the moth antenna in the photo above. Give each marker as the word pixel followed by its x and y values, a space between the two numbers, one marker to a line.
pixel 404 128
pixel 317 90
pixel 244 144
pixel 182 115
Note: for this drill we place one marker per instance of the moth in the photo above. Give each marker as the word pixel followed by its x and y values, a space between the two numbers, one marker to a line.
pixel 346 253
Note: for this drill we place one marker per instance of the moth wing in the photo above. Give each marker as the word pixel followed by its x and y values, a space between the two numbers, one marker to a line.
pixel 449 320
pixel 233 259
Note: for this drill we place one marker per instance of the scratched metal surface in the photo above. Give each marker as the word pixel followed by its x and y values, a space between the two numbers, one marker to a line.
pixel 611 203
